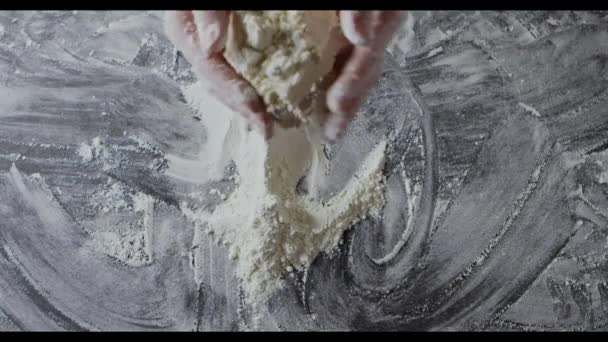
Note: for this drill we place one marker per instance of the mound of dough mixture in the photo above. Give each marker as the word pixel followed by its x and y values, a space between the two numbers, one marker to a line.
pixel 287 56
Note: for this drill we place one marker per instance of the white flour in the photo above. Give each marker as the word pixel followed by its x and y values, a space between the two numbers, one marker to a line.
pixel 287 56
pixel 130 248
pixel 267 227
pixel 89 152
pixel 134 245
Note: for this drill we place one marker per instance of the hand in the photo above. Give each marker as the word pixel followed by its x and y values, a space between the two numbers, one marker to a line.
pixel 201 36
pixel 360 65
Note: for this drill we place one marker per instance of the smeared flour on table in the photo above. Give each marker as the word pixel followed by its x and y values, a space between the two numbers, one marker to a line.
pixel 119 205
pixel 133 246
pixel 89 152
pixel 269 227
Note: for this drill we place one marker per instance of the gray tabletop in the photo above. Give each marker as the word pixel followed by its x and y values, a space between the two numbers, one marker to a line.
pixel 507 163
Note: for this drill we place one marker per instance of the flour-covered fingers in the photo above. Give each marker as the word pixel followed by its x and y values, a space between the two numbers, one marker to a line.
pixel 355 26
pixel 236 93
pixel 204 52
pixel 345 96
pixel 212 28
pixel 384 24
pixel 370 28
pixel 181 30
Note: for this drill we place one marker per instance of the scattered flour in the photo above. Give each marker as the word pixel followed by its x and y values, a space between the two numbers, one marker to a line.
pixel 434 52
pixel 529 109
pixel 113 198
pixel 85 152
pixel 141 201
pixel 403 40
pixel 603 177
pixel 131 248
pixel 89 152
pixel 552 21
pixel 268 227
pixel 118 196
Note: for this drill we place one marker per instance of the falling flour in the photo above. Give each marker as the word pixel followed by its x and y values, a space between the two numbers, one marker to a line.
pixel 268 224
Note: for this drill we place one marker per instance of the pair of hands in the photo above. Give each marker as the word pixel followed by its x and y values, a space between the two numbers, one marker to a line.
pixel 201 37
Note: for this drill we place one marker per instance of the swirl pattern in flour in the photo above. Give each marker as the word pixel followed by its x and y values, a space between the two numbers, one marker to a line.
pixel 517 239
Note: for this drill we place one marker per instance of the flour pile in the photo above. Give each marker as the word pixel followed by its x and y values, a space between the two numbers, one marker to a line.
pixel 268 224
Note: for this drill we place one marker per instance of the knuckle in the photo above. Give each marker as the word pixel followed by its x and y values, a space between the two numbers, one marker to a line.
pixel 354 26
pixel 342 103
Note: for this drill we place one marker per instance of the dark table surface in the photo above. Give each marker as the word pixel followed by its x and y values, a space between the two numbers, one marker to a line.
pixel 499 194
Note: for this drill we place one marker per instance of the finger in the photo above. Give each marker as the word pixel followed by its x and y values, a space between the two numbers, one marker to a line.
pixel 236 93
pixel 181 30
pixel 350 89
pixel 359 73
pixel 221 79
pixel 354 26
pixel 370 28
pixel 383 25
pixel 212 28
